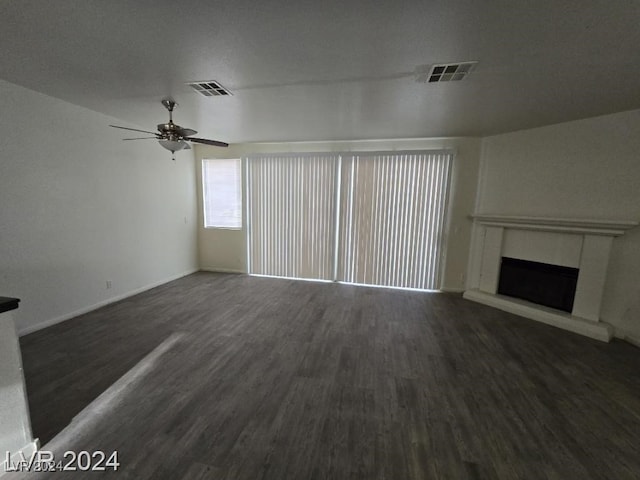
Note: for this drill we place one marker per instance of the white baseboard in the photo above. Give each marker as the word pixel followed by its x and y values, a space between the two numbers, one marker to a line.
pixel 452 290
pixel 220 270
pixel 596 330
pixel 623 334
pixel 633 340
pixel 25 452
pixel 95 306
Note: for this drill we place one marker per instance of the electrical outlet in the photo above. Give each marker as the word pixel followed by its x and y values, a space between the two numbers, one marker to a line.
pixel 108 284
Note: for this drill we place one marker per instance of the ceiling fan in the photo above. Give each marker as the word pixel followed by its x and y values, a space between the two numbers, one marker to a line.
pixel 171 136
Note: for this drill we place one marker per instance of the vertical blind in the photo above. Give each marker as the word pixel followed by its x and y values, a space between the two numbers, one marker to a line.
pixel 374 218
pixel 291 209
pixel 392 219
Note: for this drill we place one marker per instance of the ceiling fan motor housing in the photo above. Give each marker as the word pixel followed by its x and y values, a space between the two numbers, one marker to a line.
pixel 170 129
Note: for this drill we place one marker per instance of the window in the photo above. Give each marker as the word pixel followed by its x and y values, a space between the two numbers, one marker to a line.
pixel 222 193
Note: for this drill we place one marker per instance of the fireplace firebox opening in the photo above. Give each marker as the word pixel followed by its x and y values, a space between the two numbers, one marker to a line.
pixel 553 286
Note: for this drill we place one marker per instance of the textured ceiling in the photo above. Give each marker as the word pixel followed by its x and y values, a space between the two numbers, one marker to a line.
pixel 329 70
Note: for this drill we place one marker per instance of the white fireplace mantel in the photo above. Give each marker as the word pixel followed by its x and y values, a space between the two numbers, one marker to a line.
pixel 579 243
pixel 613 228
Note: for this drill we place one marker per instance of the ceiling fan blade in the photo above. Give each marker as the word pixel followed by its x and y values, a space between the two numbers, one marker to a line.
pixel 215 143
pixel 132 129
pixel 186 132
pixel 141 138
pixel 187 146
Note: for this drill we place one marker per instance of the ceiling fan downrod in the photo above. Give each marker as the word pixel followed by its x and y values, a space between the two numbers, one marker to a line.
pixel 169 104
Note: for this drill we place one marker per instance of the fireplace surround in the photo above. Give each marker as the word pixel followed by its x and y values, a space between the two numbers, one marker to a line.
pixel 582 245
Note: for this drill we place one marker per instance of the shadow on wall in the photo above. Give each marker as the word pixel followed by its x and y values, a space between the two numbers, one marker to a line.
pixel 621 306
pixel 630 321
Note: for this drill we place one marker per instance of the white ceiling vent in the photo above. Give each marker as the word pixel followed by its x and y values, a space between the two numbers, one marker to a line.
pixel 209 88
pixel 443 72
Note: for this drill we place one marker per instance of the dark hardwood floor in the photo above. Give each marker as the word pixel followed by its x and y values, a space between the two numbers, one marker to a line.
pixel 218 376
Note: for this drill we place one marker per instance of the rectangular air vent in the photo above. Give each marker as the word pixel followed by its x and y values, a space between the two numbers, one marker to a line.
pixel 444 72
pixel 209 88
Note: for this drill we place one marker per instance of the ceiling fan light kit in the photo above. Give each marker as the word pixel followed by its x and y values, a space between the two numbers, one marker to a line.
pixel 171 136
pixel 174 145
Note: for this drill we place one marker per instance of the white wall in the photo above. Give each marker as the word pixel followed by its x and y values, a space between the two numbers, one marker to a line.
pixel 78 207
pixel 582 169
pixel 15 424
pixel 225 250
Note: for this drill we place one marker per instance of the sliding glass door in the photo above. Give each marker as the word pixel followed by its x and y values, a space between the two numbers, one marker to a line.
pixel 291 207
pixel 392 219
pixel 366 218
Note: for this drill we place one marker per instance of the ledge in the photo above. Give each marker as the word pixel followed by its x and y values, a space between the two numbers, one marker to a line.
pixel 613 228
pixel 596 330
pixel 8 303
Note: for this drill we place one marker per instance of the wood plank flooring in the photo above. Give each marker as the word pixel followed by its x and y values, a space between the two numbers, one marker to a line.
pixel 237 377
